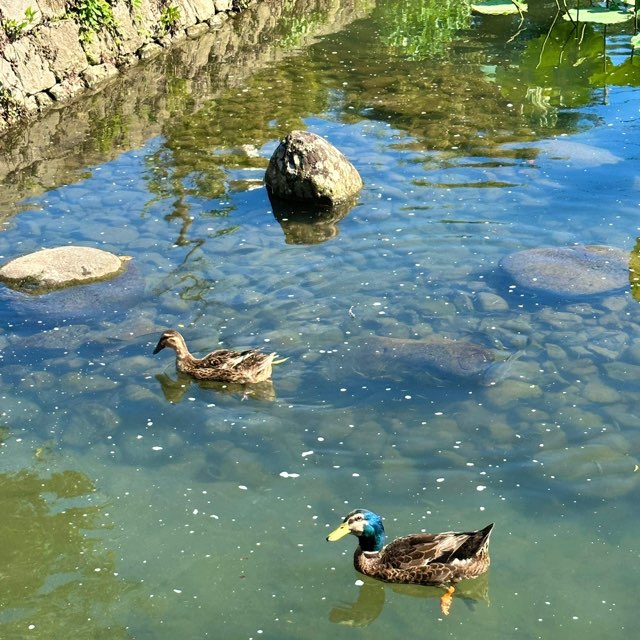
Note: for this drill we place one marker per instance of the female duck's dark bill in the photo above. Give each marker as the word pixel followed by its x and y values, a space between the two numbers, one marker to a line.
pixel 159 346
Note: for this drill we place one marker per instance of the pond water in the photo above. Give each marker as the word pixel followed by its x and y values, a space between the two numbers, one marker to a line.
pixel 137 505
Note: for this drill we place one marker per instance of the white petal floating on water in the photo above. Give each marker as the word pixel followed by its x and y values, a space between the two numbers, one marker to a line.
pixel 307 453
pixel 480 487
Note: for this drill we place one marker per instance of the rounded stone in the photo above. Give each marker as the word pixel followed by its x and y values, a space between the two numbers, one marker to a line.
pixel 305 167
pixel 60 267
pixel 491 302
pixel 581 270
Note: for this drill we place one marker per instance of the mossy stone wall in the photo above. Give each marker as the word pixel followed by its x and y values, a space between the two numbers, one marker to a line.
pixel 53 50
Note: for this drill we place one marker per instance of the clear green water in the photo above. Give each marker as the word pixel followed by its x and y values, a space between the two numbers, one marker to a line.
pixel 137 508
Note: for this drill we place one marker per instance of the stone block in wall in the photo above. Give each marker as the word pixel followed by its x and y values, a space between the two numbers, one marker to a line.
pixel 196 30
pixel 16 10
pixel 187 13
pixel 223 5
pixel 149 50
pixel 60 42
pixel 52 9
pixel 130 38
pixel 99 73
pixel 204 9
pixel 218 20
pixel 100 47
pixel 43 100
pixel 31 104
pixel 146 19
pixel 67 89
pixel 9 80
pixel 29 65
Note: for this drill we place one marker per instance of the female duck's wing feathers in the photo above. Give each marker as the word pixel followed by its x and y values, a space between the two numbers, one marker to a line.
pixel 227 364
pixel 230 359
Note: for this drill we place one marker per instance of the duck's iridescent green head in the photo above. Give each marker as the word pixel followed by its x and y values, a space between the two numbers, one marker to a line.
pixel 364 524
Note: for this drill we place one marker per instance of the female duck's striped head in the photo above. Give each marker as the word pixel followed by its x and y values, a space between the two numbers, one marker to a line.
pixel 364 524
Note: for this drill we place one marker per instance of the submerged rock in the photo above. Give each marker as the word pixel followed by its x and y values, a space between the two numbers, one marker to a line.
pixel 439 357
pixel 570 271
pixel 593 469
pixel 60 267
pixel 305 167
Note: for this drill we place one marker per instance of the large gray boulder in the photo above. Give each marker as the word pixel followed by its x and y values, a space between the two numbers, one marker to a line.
pixel 307 168
pixel 581 270
pixel 51 269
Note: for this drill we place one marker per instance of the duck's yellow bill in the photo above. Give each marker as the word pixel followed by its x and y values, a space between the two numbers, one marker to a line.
pixel 338 533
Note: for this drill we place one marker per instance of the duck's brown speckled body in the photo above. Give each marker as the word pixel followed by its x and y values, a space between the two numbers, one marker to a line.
pixel 437 559
pixel 224 365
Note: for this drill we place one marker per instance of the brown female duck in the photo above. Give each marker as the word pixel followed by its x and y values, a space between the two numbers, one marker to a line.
pixel 437 559
pixel 224 365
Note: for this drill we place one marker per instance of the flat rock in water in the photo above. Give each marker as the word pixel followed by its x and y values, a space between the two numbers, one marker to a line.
pixel 570 271
pixel 51 269
pixel 96 300
pixel 307 168
pixel 437 356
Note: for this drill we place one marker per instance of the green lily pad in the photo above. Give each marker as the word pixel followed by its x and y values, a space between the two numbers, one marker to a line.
pixel 601 15
pixel 499 7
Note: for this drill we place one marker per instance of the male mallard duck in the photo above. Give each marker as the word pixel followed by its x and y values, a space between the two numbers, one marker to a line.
pixel 223 365
pixel 438 559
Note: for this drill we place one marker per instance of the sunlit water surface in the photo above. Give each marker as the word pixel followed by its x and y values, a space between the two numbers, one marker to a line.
pixel 140 507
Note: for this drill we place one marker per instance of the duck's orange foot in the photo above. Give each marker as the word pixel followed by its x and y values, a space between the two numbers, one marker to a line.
pixel 446 600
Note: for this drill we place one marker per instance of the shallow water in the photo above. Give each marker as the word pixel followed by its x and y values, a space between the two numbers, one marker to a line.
pixel 143 507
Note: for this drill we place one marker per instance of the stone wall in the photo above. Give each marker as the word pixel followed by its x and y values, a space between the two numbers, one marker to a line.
pixel 49 52
pixel 145 101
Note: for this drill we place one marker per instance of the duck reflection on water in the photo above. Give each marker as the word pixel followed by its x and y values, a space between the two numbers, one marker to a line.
pixel 174 390
pixel 372 595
